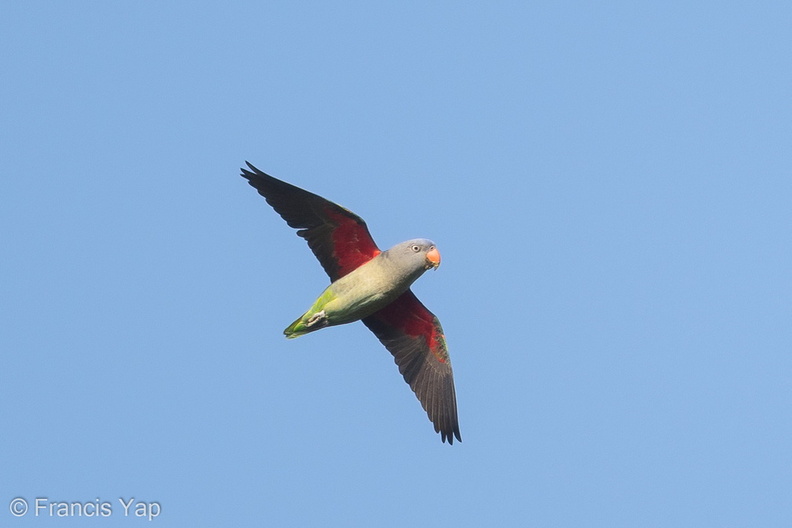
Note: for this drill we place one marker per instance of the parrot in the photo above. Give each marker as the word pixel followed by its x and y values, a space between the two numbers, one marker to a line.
pixel 372 286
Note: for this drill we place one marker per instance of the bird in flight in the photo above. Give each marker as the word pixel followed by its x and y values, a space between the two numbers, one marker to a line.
pixel 371 286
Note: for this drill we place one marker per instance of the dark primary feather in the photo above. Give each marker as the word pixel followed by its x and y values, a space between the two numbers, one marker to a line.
pixel 415 338
pixel 338 237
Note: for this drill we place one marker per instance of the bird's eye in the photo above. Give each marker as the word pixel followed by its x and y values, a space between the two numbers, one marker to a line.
pixel 416 248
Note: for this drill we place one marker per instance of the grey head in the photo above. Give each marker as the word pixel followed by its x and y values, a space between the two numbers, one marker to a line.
pixel 413 257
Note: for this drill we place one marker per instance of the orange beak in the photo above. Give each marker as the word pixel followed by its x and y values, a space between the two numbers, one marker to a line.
pixel 433 258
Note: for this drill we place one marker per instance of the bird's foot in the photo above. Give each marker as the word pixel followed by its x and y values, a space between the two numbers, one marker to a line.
pixel 316 318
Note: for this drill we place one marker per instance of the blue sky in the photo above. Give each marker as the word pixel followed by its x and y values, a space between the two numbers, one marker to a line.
pixel 610 188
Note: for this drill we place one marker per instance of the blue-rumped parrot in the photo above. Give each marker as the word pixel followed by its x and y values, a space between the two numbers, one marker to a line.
pixel 372 286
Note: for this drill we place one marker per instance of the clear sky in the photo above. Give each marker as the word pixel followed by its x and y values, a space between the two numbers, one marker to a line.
pixel 610 187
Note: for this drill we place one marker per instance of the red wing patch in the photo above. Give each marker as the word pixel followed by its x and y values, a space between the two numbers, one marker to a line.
pixel 352 243
pixel 413 318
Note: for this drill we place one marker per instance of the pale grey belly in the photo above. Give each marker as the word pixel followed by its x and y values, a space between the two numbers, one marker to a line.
pixel 362 296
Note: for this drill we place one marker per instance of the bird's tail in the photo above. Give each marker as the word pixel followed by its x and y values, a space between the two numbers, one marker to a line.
pixel 296 329
pixel 314 319
pixel 305 324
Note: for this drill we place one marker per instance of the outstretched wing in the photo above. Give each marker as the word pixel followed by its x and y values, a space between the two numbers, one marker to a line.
pixel 415 338
pixel 338 237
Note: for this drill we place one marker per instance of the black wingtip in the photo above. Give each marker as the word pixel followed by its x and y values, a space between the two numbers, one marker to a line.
pixel 449 436
pixel 252 172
